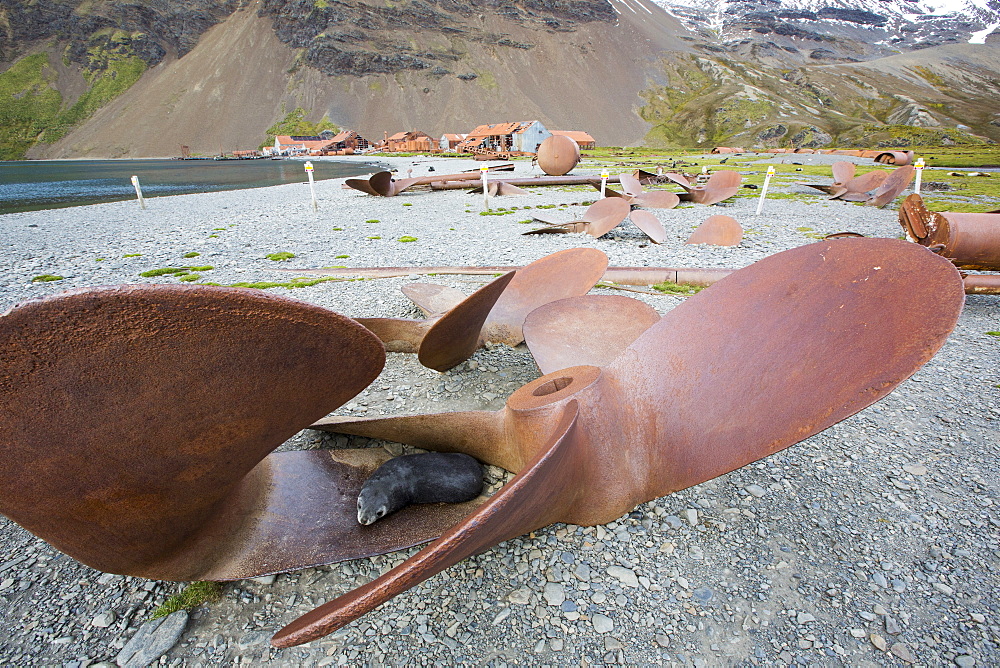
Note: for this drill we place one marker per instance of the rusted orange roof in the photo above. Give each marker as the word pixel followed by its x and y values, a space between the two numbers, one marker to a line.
pixel 576 135
pixel 494 130
pixel 399 136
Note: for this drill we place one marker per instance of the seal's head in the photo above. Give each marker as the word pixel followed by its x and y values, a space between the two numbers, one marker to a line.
pixel 373 504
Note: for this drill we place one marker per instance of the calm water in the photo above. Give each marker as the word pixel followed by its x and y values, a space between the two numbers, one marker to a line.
pixel 51 184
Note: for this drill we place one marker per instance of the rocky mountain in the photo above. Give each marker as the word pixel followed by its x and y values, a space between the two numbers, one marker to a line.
pixel 114 78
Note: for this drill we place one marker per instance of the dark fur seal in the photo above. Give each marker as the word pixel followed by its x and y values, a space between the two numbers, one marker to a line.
pixel 432 477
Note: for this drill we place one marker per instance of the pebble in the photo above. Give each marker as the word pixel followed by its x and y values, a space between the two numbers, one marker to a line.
pixel 554 593
pixel 520 596
pixel 152 640
pixel 691 515
pixel 965 661
pixel 903 652
pixel 755 490
pixel 103 620
pixel 878 641
pixel 602 623
pixel 624 575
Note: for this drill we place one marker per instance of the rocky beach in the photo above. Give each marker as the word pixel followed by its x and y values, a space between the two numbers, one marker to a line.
pixel 873 543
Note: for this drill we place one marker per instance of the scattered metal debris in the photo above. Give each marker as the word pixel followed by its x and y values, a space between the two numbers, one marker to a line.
pixel 898 158
pixel 720 185
pixel 876 188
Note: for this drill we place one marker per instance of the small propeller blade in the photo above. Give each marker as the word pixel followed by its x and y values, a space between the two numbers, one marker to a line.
pixel 717 230
pixel 650 225
pixel 843 171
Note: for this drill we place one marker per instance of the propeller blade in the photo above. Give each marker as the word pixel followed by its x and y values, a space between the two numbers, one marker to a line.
pixel 658 199
pixel 135 420
pixel 382 184
pixel 720 185
pixel 567 273
pixel 679 179
pixel 361 184
pixel 866 182
pixel 398 335
pixel 630 184
pixel 650 224
pixel 504 188
pixel 590 329
pixel 894 184
pixel 803 338
pixel 535 498
pixel 455 336
pixel 604 215
pixel 843 171
pixel 717 230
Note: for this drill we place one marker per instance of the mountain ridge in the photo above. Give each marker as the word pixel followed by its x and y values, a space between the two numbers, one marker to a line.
pixel 628 71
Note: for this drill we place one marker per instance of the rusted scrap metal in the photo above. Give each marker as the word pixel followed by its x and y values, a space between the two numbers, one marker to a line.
pixel 718 231
pixel 600 218
pixel 981 284
pixel 457 325
pixel 727 149
pixel 568 180
pixel 386 185
pixel 633 193
pixel 590 329
pixel 843 235
pixel 720 185
pixel 558 155
pixel 969 240
pixel 138 424
pixel 589 443
pixel 875 188
pixel 649 224
pixel 898 158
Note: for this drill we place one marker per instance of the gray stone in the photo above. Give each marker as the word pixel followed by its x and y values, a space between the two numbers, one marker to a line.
pixel 103 620
pixel 804 618
pixel 602 623
pixel 554 593
pixel 152 640
pixel 755 490
pixel 903 652
pixel 519 596
pixel 965 661
pixel 624 575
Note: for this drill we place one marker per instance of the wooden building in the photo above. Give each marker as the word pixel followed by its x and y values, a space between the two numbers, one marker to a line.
pixel 582 139
pixel 414 140
pixel 522 136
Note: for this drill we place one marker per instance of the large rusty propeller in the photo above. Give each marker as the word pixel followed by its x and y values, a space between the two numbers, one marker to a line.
pixel 768 356
pixel 633 193
pixel 600 218
pixel 458 325
pixel 720 185
pixel 876 188
pixel 138 422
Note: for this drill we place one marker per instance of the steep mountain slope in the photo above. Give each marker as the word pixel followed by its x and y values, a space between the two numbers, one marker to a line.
pixel 114 78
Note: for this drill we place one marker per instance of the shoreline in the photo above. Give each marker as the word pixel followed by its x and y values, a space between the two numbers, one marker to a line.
pixel 885 524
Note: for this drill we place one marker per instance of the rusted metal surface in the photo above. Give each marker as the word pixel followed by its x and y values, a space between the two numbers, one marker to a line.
pixel 969 240
pixel 720 185
pixel 444 339
pixel 531 181
pixel 894 184
pixel 588 330
pixel 137 423
pixel 898 158
pixel 634 194
pixel 649 224
pixel 982 284
pixel 386 185
pixel 717 230
pixel 567 273
pixel 558 155
pixel 727 149
pixel 674 409
pixel 600 218
pixel 843 235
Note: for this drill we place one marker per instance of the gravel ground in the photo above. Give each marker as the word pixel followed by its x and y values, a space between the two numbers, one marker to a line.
pixel 872 543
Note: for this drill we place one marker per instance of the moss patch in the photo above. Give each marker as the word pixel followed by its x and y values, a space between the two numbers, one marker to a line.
pixel 195 594
pixel 407 239
pixel 46 278
pixel 280 257
pixel 685 289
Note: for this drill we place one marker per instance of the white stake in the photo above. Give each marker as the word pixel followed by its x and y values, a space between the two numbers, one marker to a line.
pixel 312 186
pixel 919 166
pixel 604 182
pixel 138 191
pixel 486 187
pixel 763 192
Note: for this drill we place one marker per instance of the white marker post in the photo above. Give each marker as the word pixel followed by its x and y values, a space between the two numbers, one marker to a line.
pixel 138 191
pixel 484 170
pixel 312 186
pixel 604 182
pixel 919 166
pixel 704 169
pixel 763 192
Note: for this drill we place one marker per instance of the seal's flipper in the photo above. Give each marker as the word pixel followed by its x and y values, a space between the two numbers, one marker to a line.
pixel 135 420
pixel 592 329
pixel 547 487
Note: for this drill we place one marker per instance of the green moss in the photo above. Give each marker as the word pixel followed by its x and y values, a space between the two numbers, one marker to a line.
pixel 99 259
pixel 191 254
pixel 46 278
pixel 375 237
pixel 341 257
pixel 187 278
pixel 195 594
pixel 407 239
pixel 678 288
pixel 373 220
pixel 218 229
pixel 166 271
pixel 993 333
pixel 213 236
pixel 132 255
pixel 296 283
pixel 407 203
pixel 280 257
pixel 338 229
pixel 28 105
